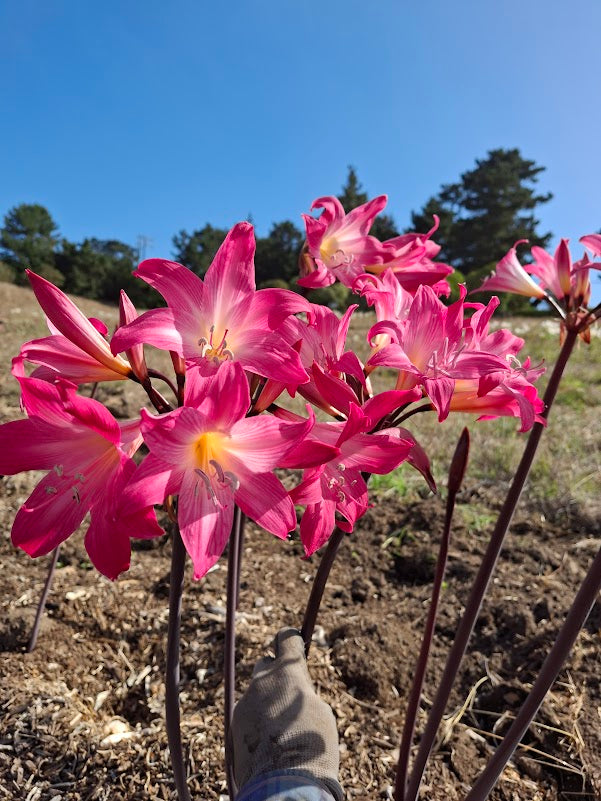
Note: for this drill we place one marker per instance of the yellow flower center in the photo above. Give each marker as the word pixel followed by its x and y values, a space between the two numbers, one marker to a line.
pixel 217 352
pixel 208 448
pixel 332 254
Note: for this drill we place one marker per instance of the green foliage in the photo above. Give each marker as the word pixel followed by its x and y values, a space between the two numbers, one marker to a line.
pixel 485 213
pixel 353 195
pixel 7 274
pixel 197 250
pixel 336 296
pixel 100 268
pixel 277 255
pixel 27 240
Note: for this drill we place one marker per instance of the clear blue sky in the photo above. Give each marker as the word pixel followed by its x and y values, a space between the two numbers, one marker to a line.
pixel 127 118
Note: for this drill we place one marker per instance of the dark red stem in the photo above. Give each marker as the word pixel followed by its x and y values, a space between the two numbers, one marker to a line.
pixel 172 712
pixel 480 585
pixel 318 587
pixel 575 620
pixel 456 473
pixel 229 655
pixel 42 602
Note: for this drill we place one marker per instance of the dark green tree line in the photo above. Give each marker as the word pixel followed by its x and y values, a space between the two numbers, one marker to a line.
pixel 481 216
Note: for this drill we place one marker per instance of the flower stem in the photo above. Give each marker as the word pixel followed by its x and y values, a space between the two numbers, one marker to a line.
pixel 33 638
pixel 575 620
pixel 456 473
pixel 480 585
pixel 172 713
pixel 319 585
pixel 162 377
pixel 229 655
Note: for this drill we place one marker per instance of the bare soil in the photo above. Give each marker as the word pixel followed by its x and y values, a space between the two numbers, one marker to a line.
pixel 81 718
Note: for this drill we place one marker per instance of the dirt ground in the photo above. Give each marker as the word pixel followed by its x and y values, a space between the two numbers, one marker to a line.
pixel 81 718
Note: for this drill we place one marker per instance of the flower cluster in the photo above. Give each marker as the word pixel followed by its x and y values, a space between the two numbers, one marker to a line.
pixel 563 283
pixel 239 353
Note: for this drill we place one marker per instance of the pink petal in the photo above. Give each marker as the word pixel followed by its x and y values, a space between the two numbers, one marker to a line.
pixel 440 391
pixel 268 355
pixel 593 243
pixel 50 514
pixel 309 453
pixel 334 392
pixel 375 453
pixel 263 498
pixel 39 398
pixel 171 437
pixel 29 445
pixel 205 521
pixel 91 414
pixel 309 491
pixel 383 404
pixel 230 280
pixel 62 358
pixel 207 393
pixel 107 545
pixel 317 279
pixel 317 525
pixel 156 327
pixel 152 482
pixel 181 288
pixel 73 324
pixel 259 443
pixel 135 356
pixel 563 262
pixel 270 307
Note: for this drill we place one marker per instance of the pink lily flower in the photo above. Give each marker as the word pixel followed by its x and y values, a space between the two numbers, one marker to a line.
pixel 87 455
pixel 510 394
pixel 338 245
pixel 213 457
pixel 320 343
pixel 553 271
pixel 221 318
pixel 429 349
pixel 510 276
pixel 411 258
pixel 338 486
pixel 76 350
pixel 565 284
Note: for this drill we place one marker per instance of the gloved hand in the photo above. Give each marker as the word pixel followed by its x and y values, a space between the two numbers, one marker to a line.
pixel 281 724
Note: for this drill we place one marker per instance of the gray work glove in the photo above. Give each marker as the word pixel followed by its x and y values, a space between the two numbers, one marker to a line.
pixel 280 724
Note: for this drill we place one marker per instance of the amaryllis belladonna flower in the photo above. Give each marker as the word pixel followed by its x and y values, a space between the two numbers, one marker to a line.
pixel 337 487
pixel 87 456
pixel 567 281
pixel 223 318
pixel 210 455
pixel 430 347
pixel 339 247
pixel 338 244
pixel 77 349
